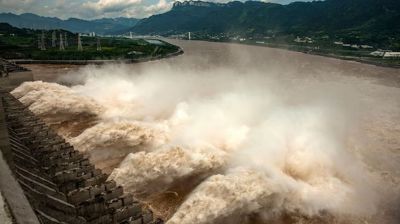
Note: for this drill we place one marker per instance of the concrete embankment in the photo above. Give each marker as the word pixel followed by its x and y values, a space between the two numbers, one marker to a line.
pixel 96 62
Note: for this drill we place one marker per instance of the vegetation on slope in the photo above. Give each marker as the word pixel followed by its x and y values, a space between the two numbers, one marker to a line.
pixel 358 21
pixel 100 26
pixel 24 44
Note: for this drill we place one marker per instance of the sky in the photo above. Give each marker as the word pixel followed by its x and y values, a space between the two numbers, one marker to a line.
pixel 93 9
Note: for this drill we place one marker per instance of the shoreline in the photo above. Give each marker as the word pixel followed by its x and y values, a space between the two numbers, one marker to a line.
pixel 360 60
pixel 340 57
pixel 95 62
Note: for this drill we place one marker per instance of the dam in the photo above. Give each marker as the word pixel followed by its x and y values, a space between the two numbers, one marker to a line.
pixel 59 184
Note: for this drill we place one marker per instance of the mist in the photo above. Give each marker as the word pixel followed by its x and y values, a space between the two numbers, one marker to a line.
pixel 233 144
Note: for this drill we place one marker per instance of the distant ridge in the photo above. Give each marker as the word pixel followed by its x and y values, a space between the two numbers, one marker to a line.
pixel 369 20
pixel 196 3
pixel 100 26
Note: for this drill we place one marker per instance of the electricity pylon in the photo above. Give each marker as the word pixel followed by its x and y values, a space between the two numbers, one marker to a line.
pixel 54 39
pixel 61 42
pixel 39 41
pixel 65 40
pixel 79 43
pixel 42 45
pixel 98 44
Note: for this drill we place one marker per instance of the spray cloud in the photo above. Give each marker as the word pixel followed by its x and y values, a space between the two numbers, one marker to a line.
pixel 259 144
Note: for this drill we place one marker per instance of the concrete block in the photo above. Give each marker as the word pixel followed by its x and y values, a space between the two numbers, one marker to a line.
pixel 147 217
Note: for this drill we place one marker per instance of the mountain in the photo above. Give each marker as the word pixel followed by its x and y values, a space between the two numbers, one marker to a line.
pixel 366 19
pixel 100 26
pixel 127 22
pixel 6 29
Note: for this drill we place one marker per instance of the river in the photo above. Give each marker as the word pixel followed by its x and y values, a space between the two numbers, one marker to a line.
pixel 361 99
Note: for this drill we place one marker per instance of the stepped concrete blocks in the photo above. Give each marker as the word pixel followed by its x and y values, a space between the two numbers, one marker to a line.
pixel 60 183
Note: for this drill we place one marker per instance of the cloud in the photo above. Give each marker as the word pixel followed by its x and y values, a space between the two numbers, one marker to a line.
pixel 161 6
pixel 107 6
pixel 92 9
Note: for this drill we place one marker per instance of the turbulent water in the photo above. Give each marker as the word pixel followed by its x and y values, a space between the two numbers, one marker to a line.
pixel 59 106
pixel 236 134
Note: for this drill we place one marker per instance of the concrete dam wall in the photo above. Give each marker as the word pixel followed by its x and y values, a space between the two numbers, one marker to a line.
pixel 60 183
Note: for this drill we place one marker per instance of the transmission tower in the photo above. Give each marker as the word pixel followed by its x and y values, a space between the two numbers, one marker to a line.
pixel 79 43
pixel 39 42
pixel 42 44
pixel 53 39
pixel 61 42
pixel 98 44
pixel 65 40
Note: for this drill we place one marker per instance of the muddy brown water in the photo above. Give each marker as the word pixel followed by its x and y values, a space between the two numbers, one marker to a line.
pixel 376 87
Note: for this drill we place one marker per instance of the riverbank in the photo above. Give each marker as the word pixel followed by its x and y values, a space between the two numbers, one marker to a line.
pixel 357 59
pixel 97 62
pixel 366 60
pixel 388 63
pixel 22 47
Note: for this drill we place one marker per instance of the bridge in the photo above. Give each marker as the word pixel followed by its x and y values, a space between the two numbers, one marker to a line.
pixel 43 179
